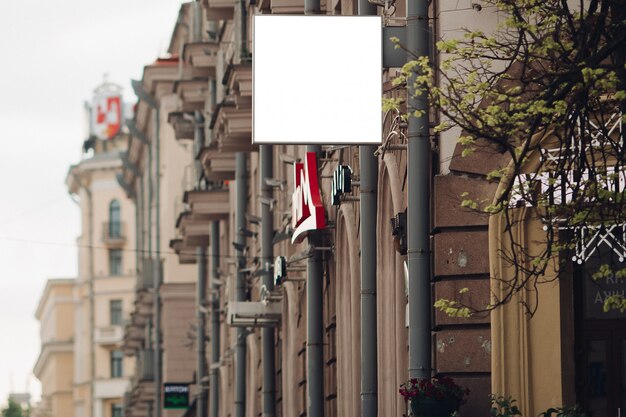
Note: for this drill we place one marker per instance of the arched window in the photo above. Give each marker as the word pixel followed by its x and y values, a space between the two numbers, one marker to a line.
pixel 115 224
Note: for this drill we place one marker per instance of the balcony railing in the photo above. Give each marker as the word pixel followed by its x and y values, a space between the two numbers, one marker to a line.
pixel 113 233
pixel 108 335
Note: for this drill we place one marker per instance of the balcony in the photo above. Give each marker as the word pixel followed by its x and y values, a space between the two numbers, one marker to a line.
pixel 145 280
pixel 183 124
pixel 219 9
pixel 202 57
pixel 287 6
pixel 145 365
pixel 192 93
pixel 110 388
pixel 253 314
pixel 109 335
pixel 113 233
pixel 186 255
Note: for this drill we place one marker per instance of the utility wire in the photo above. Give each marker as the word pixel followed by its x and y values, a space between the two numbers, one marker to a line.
pixel 79 246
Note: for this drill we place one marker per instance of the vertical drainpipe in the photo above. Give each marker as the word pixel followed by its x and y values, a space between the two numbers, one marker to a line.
pixel 418 211
pixel 201 365
pixel 201 401
pixel 137 201
pixel 215 318
pixel 368 163
pixel 315 298
pixel 244 54
pixel 158 371
pixel 241 182
pixel 267 254
pixel 196 32
pixel 92 352
pixel 92 321
pixel 140 219
pixel 150 200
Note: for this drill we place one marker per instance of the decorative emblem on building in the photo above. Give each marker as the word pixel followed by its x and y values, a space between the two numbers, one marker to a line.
pixel 106 111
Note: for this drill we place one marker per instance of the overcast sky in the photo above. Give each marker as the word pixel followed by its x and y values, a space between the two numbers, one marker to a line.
pixel 53 54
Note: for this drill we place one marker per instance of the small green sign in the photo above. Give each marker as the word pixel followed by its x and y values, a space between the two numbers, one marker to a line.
pixel 175 396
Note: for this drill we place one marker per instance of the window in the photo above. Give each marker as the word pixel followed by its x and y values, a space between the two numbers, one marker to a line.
pixel 115 308
pixel 116 410
pixel 115 224
pixel 117 358
pixel 115 262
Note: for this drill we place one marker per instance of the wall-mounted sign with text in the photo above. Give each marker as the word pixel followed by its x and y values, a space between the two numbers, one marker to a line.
pixel 175 396
pixel 307 210
pixel 280 270
pixel 342 183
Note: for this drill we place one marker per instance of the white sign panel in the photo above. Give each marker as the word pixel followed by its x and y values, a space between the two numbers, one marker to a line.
pixel 317 79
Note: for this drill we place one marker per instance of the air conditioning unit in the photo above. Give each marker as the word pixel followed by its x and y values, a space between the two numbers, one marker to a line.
pixel 253 314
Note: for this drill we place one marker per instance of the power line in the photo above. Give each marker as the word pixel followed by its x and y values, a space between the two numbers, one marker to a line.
pixel 132 250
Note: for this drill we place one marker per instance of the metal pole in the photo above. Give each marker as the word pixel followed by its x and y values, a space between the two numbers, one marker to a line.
pixel 369 351
pixel 241 182
pixel 201 401
pixel 201 362
pixel 158 363
pixel 311 7
pixel 315 327
pixel 418 211
pixel 315 298
pixel 368 163
pixel 267 254
pixel 243 23
pixel 215 319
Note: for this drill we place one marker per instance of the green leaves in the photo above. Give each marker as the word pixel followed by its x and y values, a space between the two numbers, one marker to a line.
pixel 452 308
pixel 502 406
pixel 547 93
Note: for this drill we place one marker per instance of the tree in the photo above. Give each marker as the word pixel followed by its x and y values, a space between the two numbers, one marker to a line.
pixel 548 88
pixel 13 409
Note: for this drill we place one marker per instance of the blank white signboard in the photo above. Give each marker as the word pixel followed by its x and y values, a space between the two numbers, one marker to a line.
pixel 317 79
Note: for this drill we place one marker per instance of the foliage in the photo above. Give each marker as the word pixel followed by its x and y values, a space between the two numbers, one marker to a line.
pixel 13 409
pixel 443 388
pixel 547 88
pixel 563 412
pixel 503 406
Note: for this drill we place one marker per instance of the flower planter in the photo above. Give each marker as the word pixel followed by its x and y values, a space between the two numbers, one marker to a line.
pixel 430 407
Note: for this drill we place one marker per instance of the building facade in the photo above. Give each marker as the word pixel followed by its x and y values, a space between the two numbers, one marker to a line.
pixel 222 303
pixel 199 100
pixel 54 367
pixel 104 289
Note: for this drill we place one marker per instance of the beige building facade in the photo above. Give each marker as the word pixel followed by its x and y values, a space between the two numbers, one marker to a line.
pixel 161 333
pixel 54 367
pixel 103 291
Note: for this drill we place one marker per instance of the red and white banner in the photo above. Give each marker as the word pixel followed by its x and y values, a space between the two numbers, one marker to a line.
pixel 106 116
pixel 307 210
